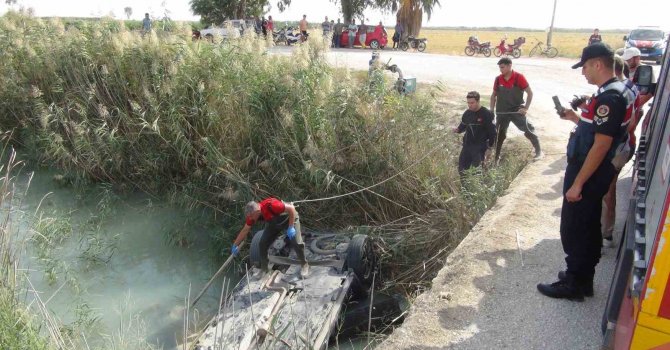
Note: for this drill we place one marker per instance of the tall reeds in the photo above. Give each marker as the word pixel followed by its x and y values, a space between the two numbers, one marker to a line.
pixel 215 125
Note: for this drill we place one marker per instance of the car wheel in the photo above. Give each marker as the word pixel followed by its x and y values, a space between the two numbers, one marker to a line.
pixel 361 259
pixel 374 44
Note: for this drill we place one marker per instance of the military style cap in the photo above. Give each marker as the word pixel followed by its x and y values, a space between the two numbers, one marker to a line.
pixel 594 50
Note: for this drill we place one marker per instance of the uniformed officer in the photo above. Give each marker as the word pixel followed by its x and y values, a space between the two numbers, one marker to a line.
pixel 480 133
pixel 591 147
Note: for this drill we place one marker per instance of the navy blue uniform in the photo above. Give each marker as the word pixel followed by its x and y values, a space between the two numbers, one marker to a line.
pixel 580 221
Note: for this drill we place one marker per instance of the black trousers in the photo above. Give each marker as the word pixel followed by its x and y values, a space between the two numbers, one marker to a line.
pixel 521 122
pixel 272 230
pixel 471 156
pixel 580 221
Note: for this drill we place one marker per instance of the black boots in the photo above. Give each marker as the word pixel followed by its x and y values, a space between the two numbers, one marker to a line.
pixel 566 287
pixel 586 285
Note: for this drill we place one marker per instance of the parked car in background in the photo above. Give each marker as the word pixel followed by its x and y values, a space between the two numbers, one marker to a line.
pixel 650 40
pixel 230 28
pixel 376 38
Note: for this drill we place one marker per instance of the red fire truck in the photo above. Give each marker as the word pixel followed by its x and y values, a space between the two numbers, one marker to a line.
pixel 637 315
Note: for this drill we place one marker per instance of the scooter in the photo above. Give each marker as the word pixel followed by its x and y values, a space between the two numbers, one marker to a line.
pixel 475 47
pixel 513 49
pixel 293 36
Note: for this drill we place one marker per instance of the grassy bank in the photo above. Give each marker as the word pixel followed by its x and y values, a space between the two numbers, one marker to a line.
pixel 217 125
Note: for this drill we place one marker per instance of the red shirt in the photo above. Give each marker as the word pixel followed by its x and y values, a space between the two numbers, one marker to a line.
pixel 270 25
pixel 270 207
pixel 515 79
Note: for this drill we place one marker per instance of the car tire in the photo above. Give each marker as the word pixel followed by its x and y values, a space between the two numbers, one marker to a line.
pixel 361 259
pixel 374 44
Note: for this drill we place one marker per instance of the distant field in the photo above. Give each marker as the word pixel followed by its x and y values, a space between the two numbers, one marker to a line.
pixel 569 44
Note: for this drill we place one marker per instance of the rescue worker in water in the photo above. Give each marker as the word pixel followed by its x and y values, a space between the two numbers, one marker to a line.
pixel 277 216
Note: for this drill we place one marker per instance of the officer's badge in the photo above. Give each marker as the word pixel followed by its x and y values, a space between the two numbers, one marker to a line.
pixel 603 110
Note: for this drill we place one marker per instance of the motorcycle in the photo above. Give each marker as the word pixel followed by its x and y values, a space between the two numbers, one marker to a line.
pixel 280 37
pixel 294 36
pixel 419 44
pixel 509 49
pixel 475 47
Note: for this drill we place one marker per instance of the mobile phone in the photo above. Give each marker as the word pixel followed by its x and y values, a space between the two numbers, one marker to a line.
pixel 557 105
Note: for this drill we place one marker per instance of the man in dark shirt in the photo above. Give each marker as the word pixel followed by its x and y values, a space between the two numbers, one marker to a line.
pixel 480 133
pixel 591 148
pixel 595 37
pixel 277 216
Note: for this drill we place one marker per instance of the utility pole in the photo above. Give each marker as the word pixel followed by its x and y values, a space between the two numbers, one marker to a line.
pixel 551 27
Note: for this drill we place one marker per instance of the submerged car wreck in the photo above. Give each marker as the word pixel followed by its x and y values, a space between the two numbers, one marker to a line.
pixel 281 310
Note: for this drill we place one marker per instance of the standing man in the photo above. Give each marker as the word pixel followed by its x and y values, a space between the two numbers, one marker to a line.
pixel 480 133
pixel 353 28
pixel 337 33
pixel 595 37
pixel 264 25
pixel 588 174
pixel 146 24
pixel 326 28
pixel 398 34
pixel 271 25
pixel 362 33
pixel 632 57
pixel 303 27
pixel 507 101
pixel 277 216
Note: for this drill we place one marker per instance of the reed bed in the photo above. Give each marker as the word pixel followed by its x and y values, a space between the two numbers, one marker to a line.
pixel 215 125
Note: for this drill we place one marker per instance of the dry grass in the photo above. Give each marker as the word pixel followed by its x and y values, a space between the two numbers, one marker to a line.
pixel 569 44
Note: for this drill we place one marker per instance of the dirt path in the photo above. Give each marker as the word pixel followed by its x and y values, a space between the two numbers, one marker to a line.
pixel 485 296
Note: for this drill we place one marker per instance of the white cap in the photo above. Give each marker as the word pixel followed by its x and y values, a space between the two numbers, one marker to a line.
pixel 630 53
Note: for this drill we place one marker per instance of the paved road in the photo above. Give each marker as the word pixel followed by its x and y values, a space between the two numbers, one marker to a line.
pixel 485 296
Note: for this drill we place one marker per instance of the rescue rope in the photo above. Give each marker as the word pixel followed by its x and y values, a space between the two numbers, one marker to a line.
pixel 440 145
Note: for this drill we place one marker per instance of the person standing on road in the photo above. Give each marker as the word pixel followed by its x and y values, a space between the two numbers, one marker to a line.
pixel 277 216
pixel 480 133
pixel 303 27
pixel 271 25
pixel 588 174
pixel 595 37
pixel 326 27
pixel 353 28
pixel 337 33
pixel 623 153
pixel 397 35
pixel 632 57
pixel 507 101
pixel 362 34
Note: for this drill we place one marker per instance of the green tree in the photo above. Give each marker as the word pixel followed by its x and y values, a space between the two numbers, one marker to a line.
pixel 217 11
pixel 408 12
pixel 129 11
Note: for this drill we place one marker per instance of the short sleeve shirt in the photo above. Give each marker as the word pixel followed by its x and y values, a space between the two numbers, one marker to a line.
pixel 517 79
pixel 270 207
pixel 609 114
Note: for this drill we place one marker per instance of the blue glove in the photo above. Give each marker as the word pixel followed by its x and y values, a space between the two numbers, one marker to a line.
pixel 290 232
pixel 235 250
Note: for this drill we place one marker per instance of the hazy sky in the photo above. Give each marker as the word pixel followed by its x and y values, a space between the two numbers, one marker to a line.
pixel 478 13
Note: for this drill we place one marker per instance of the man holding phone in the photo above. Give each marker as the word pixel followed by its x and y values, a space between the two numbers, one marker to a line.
pixel 588 174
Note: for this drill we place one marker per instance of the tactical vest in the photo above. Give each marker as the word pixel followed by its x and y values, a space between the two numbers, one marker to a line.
pixel 582 138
